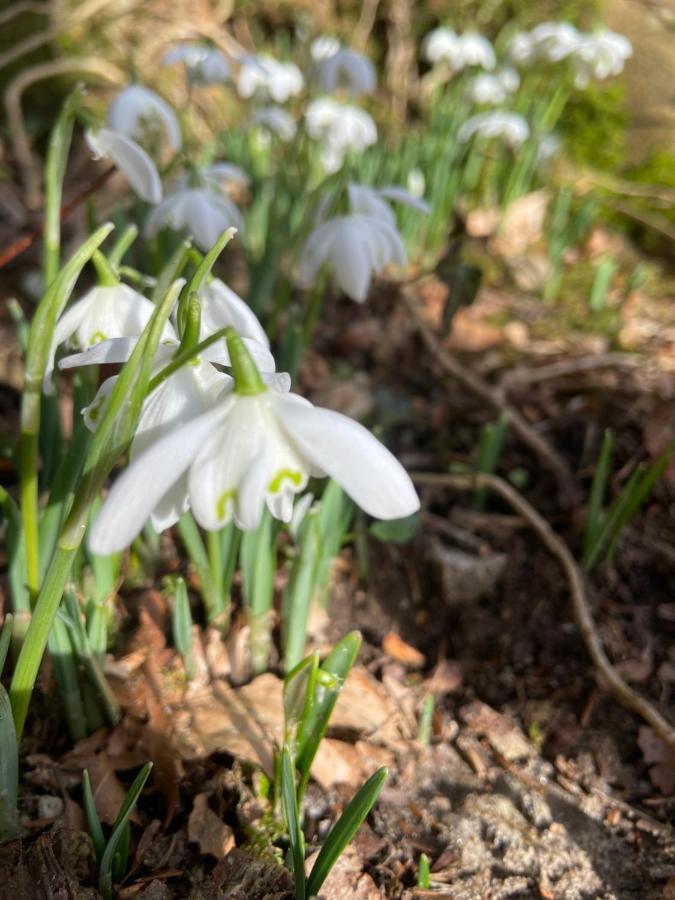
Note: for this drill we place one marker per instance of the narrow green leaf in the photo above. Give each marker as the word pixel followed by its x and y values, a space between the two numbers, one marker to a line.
pixel 93 822
pixel 423 872
pixel 5 639
pixel 344 830
pixel 598 490
pixel 9 769
pixel 105 881
pixel 289 805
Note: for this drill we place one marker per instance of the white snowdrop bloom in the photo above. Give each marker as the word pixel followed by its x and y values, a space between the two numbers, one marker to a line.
pixel 198 204
pixel 339 128
pixel 266 78
pixel 600 55
pixel 369 201
pixel 257 446
pixel 441 45
pixel 203 65
pixel 221 307
pixel 416 183
pixel 475 50
pixel 130 158
pixel 509 78
pixel 137 110
pixel 105 312
pixel 323 47
pixel 494 88
pixel 277 120
pixel 510 126
pixel 521 49
pixel 349 70
pixel 354 247
pixel 554 41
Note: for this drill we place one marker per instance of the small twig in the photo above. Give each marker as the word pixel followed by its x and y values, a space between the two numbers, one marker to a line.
pixel 516 378
pixel 567 483
pixel 582 614
pixel 26 240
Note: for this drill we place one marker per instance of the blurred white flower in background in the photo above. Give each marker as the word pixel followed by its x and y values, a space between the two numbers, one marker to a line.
pixel 198 203
pixel 138 112
pixel 443 45
pixel 601 55
pixel 130 158
pixel 339 128
pixel 494 88
pixel 110 311
pixel 276 120
pixel 323 47
pixel 354 247
pixel 549 145
pixel 347 70
pixel 416 183
pixel 511 127
pixel 203 65
pixel 371 201
pixel 266 78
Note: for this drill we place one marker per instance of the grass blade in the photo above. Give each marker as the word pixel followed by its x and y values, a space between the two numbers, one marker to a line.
pixel 289 804
pixel 93 822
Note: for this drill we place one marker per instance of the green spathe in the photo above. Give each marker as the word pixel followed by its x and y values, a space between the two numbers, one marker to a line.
pixel 247 379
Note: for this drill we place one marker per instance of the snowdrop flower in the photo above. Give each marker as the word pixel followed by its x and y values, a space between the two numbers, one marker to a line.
pixel 220 307
pixel 198 204
pixel 203 65
pixel 354 247
pixel 346 69
pixel 323 47
pixel 264 77
pixel 554 41
pixel 339 128
pixel 416 183
pixel 370 201
pixel 277 120
pixel 111 311
pixel 442 45
pixel 601 55
pixel 130 158
pixel 494 89
pixel 137 109
pixel 510 126
pixel 521 49
pixel 256 446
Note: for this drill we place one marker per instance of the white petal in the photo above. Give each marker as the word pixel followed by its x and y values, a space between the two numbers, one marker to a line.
pixel 146 481
pixel 221 306
pixel 136 105
pixel 132 161
pixel 110 352
pixel 93 413
pixel 251 495
pixel 66 326
pixel 349 453
pixel 400 195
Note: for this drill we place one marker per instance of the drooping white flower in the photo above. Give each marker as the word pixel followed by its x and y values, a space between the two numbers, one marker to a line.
pixel 203 65
pixel 511 127
pixel 115 311
pixel 459 51
pixel 276 120
pixel 600 55
pixel 494 88
pixel 130 158
pixel 221 306
pixel 521 49
pixel 198 204
pixel 339 128
pixel 369 201
pixel 554 41
pixel 323 47
pixel 266 78
pixel 347 70
pixel 354 247
pixel 257 446
pixel 137 110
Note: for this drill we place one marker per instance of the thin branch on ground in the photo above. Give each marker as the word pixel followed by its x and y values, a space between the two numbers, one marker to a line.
pixel 582 615
pixel 567 483
pixel 533 375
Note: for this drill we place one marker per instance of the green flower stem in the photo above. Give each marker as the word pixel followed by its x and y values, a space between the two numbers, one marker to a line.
pixel 104 271
pixel 247 379
pixel 28 471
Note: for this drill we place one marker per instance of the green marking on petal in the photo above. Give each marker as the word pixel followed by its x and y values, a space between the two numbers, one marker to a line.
pixel 276 483
pixel 97 338
pixel 94 410
pixel 223 501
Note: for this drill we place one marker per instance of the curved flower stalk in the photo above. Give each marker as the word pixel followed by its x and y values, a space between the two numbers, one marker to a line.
pixel 371 201
pixel 130 158
pixel 346 70
pixel 511 127
pixel 493 89
pixel 203 65
pixel 114 311
pixel 266 78
pixel 137 110
pixel 275 120
pixel 458 51
pixel 354 248
pixel 257 446
pixel 339 128
pixel 198 204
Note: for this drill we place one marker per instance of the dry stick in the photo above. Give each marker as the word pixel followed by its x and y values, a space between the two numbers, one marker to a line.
pixel 580 365
pixel 582 614
pixel 567 483
pixel 25 241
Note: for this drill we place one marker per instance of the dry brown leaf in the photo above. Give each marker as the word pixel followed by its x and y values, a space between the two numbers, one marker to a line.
pixel 502 732
pixel 347 880
pixel 109 793
pixel 365 709
pixel 522 224
pixel 337 762
pixel 394 645
pixel 206 829
pixel 446 678
pixel 482 223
